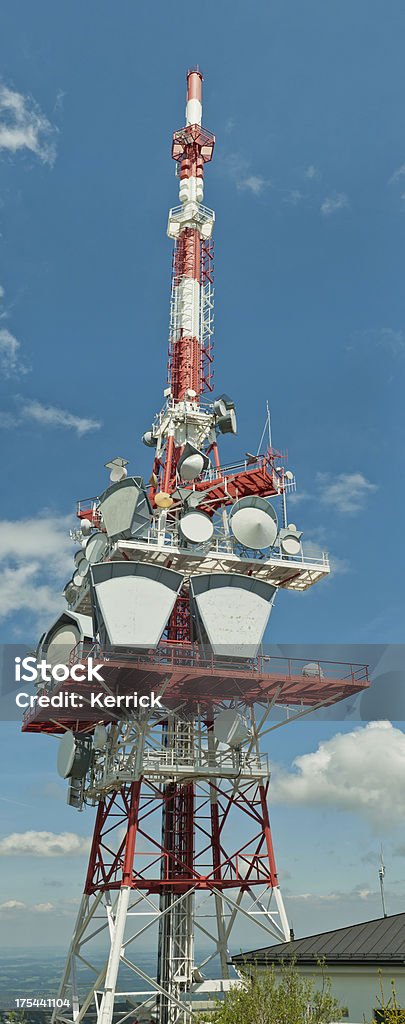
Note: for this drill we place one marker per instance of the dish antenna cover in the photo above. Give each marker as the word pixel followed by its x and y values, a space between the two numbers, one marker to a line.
pixel 192 462
pixel 313 671
pixel 67 631
pixel 86 527
pixel 196 528
pixel 73 757
pixel 290 540
pixel 231 727
pixel 132 602
pixel 117 467
pixel 96 547
pixel 253 522
pixel 232 612
pixel 126 509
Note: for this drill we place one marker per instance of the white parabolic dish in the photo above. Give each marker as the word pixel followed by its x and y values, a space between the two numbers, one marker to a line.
pixel 253 523
pixel 66 754
pixel 196 527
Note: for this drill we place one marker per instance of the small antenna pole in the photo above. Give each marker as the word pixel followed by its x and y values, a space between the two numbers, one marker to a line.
pixel 381 872
pixel 269 423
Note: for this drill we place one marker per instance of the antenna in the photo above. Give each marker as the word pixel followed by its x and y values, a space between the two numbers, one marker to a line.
pixel 267 426
pixel 381 872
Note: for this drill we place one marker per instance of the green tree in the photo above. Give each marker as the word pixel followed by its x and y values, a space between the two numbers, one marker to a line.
pixel 285 998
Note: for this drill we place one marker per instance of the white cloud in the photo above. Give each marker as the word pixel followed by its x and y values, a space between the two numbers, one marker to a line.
pixel 10 362
pixel 23 126
pixel 312 172
pixel 397 175
pixel 50 416
pixel 12 905
pixel 331 204
pixel 38 539
pixel 35 562
pixel 360 771
pixel 347 492
pixel 44 844
pixel 253 183
pixel 313 549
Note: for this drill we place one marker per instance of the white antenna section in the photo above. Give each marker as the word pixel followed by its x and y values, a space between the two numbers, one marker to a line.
pixel 267 426
pixel 381 872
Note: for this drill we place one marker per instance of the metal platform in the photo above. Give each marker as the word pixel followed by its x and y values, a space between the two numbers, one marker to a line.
pixel 184 676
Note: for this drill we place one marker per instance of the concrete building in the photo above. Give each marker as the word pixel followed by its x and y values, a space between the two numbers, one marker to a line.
pixel 354 957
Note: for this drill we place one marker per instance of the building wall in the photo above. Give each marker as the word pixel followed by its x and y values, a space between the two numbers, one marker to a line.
pixel 358 989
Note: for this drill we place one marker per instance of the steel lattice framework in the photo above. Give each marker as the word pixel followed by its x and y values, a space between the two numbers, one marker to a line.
pixel 182 846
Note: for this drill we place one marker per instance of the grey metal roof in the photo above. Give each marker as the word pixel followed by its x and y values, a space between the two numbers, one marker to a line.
pixel 373 942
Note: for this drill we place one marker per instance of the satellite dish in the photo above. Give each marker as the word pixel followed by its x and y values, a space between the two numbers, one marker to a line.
pixel 86 527
pixel 253 522
pixel 226 424
pixel 231 727
pixel 313 671
pixel 163 499
pixel 77 579
pixel 100 737
pixel 117 467
pixel 192 467
pixel 149 439
pixel 81 564
pixel 196 527
pixel 73 757
pixel 66 754
pixel 118 473
pixel 191 462
pixel 70 592
pixel 290 540
pixel 289 475
pixel 96 547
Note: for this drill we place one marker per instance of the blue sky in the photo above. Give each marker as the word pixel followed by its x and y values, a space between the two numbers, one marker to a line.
pixel 308 184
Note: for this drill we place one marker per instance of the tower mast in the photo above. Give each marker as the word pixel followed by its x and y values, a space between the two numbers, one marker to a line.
pixel 172 590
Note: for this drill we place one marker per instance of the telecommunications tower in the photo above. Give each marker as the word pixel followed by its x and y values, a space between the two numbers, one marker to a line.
pixel 173 586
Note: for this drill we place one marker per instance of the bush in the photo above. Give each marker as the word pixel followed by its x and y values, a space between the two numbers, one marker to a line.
pixel 287 999
pixel 389 1012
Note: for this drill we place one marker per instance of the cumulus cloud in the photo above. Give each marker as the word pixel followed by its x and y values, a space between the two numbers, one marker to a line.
pixel 332 204
pixel 35 561
pixel 50 416
pixel 360 771
pixel 23 126
pixel 44 844
pixel 10 361
pixel 314 549
pixel 346 492
pixel 12 905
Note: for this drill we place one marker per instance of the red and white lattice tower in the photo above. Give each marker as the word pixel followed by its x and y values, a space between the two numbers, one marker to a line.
pixel 170 597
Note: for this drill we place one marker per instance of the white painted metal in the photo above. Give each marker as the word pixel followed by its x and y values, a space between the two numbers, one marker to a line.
pixel 193 111
pixel 234 612
pixel 134 607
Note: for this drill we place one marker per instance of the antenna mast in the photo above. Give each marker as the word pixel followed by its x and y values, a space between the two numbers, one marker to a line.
pixel 172 591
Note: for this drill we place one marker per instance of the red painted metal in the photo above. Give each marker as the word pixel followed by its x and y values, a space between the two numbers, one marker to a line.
pixel 197 849
pixel 193 678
